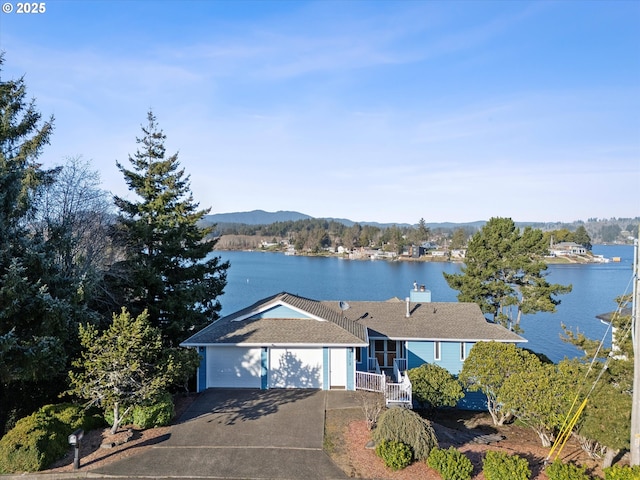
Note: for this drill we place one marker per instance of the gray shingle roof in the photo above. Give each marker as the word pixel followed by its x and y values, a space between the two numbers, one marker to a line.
pixel 240 329
pixel 427 321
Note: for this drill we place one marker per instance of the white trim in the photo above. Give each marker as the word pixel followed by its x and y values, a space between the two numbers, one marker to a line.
pixel 437 350
pixel 278 345
pixel 463 351
pixel 279 303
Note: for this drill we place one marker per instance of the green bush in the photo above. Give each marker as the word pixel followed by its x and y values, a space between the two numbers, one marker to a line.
pixel 157 413
pixel 451 464
pixel 502 466
pixel 396 455
pixel 34 443
pixel 76 416
pixel 622 472
pixel 566 471
pixel 402 425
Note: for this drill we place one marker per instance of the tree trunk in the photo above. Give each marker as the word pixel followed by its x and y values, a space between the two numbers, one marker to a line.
pixel 545 438
pixel 116 418
pixel 608 457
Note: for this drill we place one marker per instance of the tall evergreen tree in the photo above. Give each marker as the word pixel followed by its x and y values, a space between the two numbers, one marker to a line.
pixel 169 269
pixel 504 273
pixel 35 322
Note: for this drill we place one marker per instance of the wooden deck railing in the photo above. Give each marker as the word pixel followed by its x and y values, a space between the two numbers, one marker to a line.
pixel 399 393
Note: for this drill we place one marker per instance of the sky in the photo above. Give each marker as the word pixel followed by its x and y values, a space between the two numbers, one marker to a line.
pixel 387 111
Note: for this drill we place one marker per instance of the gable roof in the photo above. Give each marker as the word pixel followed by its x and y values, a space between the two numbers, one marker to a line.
pixel 430 321
pixel 315 325
pixel 286 319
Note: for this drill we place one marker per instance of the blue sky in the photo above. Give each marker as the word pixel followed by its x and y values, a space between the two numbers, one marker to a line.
pixel 386 111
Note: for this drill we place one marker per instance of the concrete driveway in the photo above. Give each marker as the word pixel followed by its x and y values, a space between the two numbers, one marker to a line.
pixel 248 434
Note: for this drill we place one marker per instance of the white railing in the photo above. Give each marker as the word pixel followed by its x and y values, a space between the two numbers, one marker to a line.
pixel 371 382
pixel 399 393
pixel 399 366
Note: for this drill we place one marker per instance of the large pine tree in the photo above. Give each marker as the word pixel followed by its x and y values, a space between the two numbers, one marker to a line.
pixel 36 321
pixel 504 273
pixel 169 269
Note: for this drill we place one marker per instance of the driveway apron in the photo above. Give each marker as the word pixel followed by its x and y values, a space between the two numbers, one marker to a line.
pixel 248 434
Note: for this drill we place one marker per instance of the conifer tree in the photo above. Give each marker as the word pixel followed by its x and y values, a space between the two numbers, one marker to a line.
pixel 504 273
pixel 35 325
pixel 169 269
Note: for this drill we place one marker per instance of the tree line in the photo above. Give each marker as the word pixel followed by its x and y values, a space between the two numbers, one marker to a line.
pixel 75 261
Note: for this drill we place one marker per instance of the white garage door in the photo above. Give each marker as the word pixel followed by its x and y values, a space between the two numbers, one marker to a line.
pixel 233 367
pixel 295 368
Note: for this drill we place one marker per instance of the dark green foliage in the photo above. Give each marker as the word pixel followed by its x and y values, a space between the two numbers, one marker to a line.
pixel 396 455
pixel 34 443
pixel 408 427
pixel 566 471
pixel 451 464
pixel 502 466
pixel 169 270
pixel 504 273
pixel 622 472
pixel 433 386
pixel 37 315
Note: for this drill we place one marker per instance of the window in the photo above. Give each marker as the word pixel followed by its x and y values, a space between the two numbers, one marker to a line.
pixel 358 355
pixel 463 351
pixel 436 350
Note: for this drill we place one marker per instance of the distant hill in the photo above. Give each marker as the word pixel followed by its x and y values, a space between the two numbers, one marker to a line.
pixel 256 217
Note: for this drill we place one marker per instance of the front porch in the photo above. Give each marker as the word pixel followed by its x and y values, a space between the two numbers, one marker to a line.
pixel 393 382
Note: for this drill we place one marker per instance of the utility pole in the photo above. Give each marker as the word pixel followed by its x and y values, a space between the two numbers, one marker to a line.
pixel 635 332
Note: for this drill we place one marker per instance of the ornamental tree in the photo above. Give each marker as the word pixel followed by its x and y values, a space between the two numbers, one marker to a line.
pixel 126 365
pixel 169 269
pixel 541 395
pixel 488 366
pixel 504 273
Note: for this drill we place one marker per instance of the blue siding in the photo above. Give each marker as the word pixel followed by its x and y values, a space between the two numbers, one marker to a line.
pixel 325 368
pixel 280 311
pixel 419 353
pixel 476 401
pixel 423 352
pixel 264 369
pixel 351 371
pixel 362 365
pixel 202 370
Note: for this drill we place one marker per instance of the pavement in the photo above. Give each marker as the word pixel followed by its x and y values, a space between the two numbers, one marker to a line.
pixel 239 434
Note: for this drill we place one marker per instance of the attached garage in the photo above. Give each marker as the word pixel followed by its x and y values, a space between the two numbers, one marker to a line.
pixel 233 367
pixel 295 368
pixel 283 341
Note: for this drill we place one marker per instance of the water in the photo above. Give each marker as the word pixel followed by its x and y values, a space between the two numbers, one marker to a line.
pixel 256 275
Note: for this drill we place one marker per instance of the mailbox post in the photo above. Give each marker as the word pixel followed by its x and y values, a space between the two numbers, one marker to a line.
pixel 74 440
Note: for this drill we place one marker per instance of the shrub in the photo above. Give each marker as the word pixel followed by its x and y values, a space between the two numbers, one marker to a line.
pixel 157 413
pixel 396 455
pixel 402 425
pixel 35 442
pixel 451 464
pixel 502 466
pixel 76 416
pixel 622 472
pixel 566 471
pixel 434 387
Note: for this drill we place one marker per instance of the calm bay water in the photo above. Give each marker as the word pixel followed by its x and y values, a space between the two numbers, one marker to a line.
pixel 256 275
